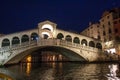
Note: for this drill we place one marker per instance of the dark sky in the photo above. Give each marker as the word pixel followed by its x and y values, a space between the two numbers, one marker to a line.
pixel 73 15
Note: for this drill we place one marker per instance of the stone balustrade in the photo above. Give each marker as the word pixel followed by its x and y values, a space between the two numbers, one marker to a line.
pixel 7 53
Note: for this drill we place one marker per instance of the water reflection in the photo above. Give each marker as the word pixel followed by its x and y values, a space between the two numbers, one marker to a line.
pixel 5 77
pixel 66 71
pixel 6 74
pixel 113 72
pixel 28 68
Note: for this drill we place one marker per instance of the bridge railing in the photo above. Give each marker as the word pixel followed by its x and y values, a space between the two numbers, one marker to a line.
pixel 76 45
pixel 15 48
pixel 58 42
pixel 43 42
pixel 47 42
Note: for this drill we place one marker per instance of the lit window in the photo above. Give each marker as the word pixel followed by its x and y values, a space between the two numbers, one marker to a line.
pixel 47 26
pixel 103 26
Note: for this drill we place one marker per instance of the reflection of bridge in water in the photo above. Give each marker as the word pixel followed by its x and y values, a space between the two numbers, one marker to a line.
pixel 6 74
pixel 61 70
pixel 74 46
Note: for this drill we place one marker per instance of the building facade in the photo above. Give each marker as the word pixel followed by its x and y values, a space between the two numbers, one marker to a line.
pixel 107 30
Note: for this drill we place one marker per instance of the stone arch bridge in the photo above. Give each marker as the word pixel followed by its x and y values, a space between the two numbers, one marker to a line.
pixel 76 47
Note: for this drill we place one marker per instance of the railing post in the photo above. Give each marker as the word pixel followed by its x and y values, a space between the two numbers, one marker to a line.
pixel 58 42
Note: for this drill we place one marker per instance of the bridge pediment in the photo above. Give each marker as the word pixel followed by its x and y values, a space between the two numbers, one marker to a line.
pixel 47 22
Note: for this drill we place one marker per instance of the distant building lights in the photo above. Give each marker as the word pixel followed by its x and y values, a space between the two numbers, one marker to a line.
pixel 111 50
pixel 106 43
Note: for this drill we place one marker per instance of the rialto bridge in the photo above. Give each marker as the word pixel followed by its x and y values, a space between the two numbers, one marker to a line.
pixel 76 47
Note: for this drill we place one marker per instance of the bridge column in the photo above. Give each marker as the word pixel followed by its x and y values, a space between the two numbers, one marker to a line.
pixel 10 43
pixel 20 41
pixel 29 39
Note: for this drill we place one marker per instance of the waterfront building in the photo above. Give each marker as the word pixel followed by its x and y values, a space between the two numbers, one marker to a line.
pixel 107 30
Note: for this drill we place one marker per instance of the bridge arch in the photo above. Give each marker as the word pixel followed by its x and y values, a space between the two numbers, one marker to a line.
pixel 99 46
pixel 47 27
pixel 76 40
pixel 68 38
pixel 60 36
pixel 34 36
pixel 84 42
pixel 24 38
pixel 15 40
pixel 5 42
pixel 91 44
pixel 69 54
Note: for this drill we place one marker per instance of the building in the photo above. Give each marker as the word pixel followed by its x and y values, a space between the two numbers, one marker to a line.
pixel 107 30
pixel 92 31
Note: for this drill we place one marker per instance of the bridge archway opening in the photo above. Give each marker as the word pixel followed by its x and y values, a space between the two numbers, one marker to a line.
pixel 5 42
pixel 47 27
pixel 45 35
pixel 76 40
pixel 34 36
pixel 56 53
pixel 99 46
pixel 91 44
pixel 84 42
pixel 68 38
pixel 46 54
pixel 60 36
pixel 15 41
pixel 25 38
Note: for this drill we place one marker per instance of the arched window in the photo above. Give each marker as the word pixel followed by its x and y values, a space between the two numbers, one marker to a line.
pixel 76 40
pixel 60 36
pixel 117 38
pixel 48 27
pixel 25 38
pixel 91 44
pixel 110 31
pixel 99 37
pixel 99 46
pixel 34 36
pixel 15 40
pixel 68 38
pixel 84 42
pixel 5 42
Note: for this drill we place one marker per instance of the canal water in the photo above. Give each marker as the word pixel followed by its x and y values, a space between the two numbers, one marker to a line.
pixel 61 71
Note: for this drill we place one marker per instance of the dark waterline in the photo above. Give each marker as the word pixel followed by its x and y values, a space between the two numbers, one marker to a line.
pixel 65 71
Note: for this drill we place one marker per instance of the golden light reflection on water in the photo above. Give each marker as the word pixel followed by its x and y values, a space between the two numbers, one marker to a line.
pixel 53 65
pixel 113 72
pixel 5 77
pixel 28 68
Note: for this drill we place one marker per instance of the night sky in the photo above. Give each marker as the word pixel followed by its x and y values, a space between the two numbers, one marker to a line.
pixel 70 15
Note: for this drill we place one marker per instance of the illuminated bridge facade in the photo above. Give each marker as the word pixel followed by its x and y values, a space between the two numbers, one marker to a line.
pixel 14 47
